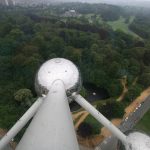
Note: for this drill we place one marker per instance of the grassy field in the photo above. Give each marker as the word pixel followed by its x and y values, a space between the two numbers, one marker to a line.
pixel 122 25
pixel 144 124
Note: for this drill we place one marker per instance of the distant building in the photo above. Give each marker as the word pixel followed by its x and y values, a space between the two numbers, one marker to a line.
pixel 3 2
pixel 71 13
pixel 7 2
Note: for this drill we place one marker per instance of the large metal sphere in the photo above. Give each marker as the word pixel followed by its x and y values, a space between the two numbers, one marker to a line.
pixel 54 69
pixel 137 141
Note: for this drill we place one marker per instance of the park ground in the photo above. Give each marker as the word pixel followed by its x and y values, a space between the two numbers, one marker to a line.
pixel 84 116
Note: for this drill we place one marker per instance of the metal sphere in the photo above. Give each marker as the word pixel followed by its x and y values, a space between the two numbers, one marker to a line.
pixel 58 69
pixel 137 141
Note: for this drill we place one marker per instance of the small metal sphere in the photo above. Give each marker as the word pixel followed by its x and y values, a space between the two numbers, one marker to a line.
pixel 58 69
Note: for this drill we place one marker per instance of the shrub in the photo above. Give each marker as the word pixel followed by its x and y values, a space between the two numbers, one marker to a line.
pixel 85 130
pixel 111 109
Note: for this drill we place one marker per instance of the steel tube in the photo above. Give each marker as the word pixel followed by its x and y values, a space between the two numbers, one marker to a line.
pixel 103 120
pixel 20 123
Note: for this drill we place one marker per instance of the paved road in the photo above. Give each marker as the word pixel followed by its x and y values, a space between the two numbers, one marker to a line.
pixel 126 125
pixel 136 116
pixel 85 148
pixel 109 143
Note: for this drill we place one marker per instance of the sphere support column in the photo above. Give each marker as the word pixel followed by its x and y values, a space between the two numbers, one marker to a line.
pixel 52 127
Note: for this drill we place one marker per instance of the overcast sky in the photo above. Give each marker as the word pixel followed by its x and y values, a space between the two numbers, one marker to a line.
pixel 92 0
pixel 145 3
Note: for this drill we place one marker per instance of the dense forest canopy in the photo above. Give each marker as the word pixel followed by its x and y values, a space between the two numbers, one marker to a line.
pixel 30 36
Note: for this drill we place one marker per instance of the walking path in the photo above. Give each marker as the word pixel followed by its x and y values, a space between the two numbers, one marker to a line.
pixel 125 89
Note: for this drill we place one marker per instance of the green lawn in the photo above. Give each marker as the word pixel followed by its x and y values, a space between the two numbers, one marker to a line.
pixel 144 124
pixel 122 25
pixel 119 24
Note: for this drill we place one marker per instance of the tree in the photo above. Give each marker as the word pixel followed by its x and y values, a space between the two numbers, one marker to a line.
pixel 73 54
pixel 113 69
pixel 104 34
pixel 24 96
pixel 147 57
pixel 16 34
pixel 95 48
pixel 134 67
pixel 138 53
pixel 111 109
pixel 100 78
pixel 115 88
pixel 85 130
pixel 83 92
pixel 29 50
pixel 57 46
pixel 139 43
pixel 144 79
pixel 5 68
pixel 133 92
pixel 5 29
